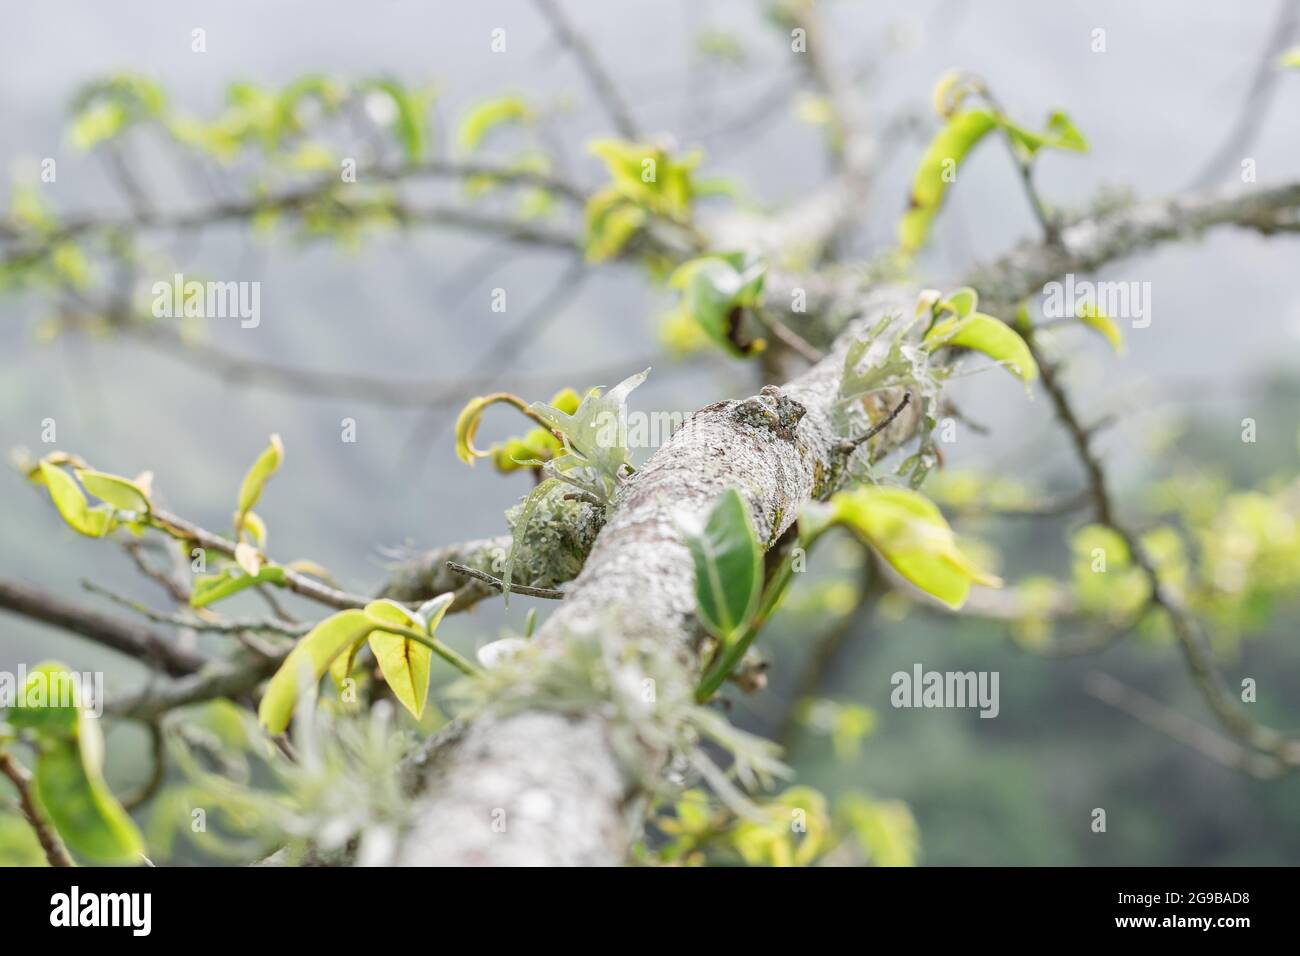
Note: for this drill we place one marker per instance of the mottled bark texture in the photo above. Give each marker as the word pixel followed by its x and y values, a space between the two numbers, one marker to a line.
pixel 547 788
pixel 559 537
pixel 1093 240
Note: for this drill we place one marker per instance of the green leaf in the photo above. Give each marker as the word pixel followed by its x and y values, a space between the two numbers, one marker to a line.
pixel 42 705
pixel 468 420
pixel 993 337
pixel 255 528
pixel 612 221
pixel 69 783
pixel 728 568
pixel 255 480
pixel 96 124
pixel 535 498
pixel 103 109
pixel 433 610
pixel 119 492
pixel 885 829
pixel 210 588
pixel 937 170
pixel 908 531
pixel 1093 317
pixel 311 658
pixel 487 116
pixel 592 432
pixel 404 662
pixel 962 302
pixel 71 503
pixel 411 122
pixel 715 287
pixel 68 780
pixel 1290 59
pixel 1060 133
pixel 649 177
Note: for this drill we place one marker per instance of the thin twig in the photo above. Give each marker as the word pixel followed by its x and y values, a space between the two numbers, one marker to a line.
pixel 192 623
pixel 850 445
pixel 551 594
pixel 158 768
pixel 788 336
pixel 1259 96
pixel 56 854
pixel 1196 650
pixel 1168 721
pixel 293 580
pixel 135 550
pixel 601 83
pixel 127 637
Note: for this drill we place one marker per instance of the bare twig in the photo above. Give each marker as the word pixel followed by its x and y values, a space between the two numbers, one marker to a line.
pixel 551 594
pixel 601 83
pixel 192 623
pixel 135 550
pixel 788 336
pixel 1195 647
pixel 850 445
pixel 1259 96
pixel 157 768
pixel 56 854
pixel 1168 721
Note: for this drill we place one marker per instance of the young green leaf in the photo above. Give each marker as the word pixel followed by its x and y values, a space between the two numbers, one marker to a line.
pixel 1290 59
pixel 612 221
pixel 411 122
pixel 468 420
pixel 1060 133
pixel 1093 317
pixel 68 777
pixel 210 588
pixel 487 116
pixel 255 480
pixel 714 290
pixel 950 90
pixel 69 783
pixel 433 610
pixel 117 491
pixel 909 532
pixel 310 658
pixel 404 662
pixel 255 528
pixel 592 432
pixel 993 337
pixel 71 503
pixel 728 567
pixel 962 302
pixel 535 498
pixel 42 705
pixel 938 170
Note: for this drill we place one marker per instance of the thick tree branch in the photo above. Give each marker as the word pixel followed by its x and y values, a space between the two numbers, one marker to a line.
pixel 555 779
pixel 1091 241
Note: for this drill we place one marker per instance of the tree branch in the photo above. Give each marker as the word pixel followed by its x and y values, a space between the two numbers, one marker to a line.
pixel 56 854
pixel 1090 241
pixel 558 778
pixel 601 83
pixel 127 638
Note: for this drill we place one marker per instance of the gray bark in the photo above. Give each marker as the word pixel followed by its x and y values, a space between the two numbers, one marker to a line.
pixel 554 779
